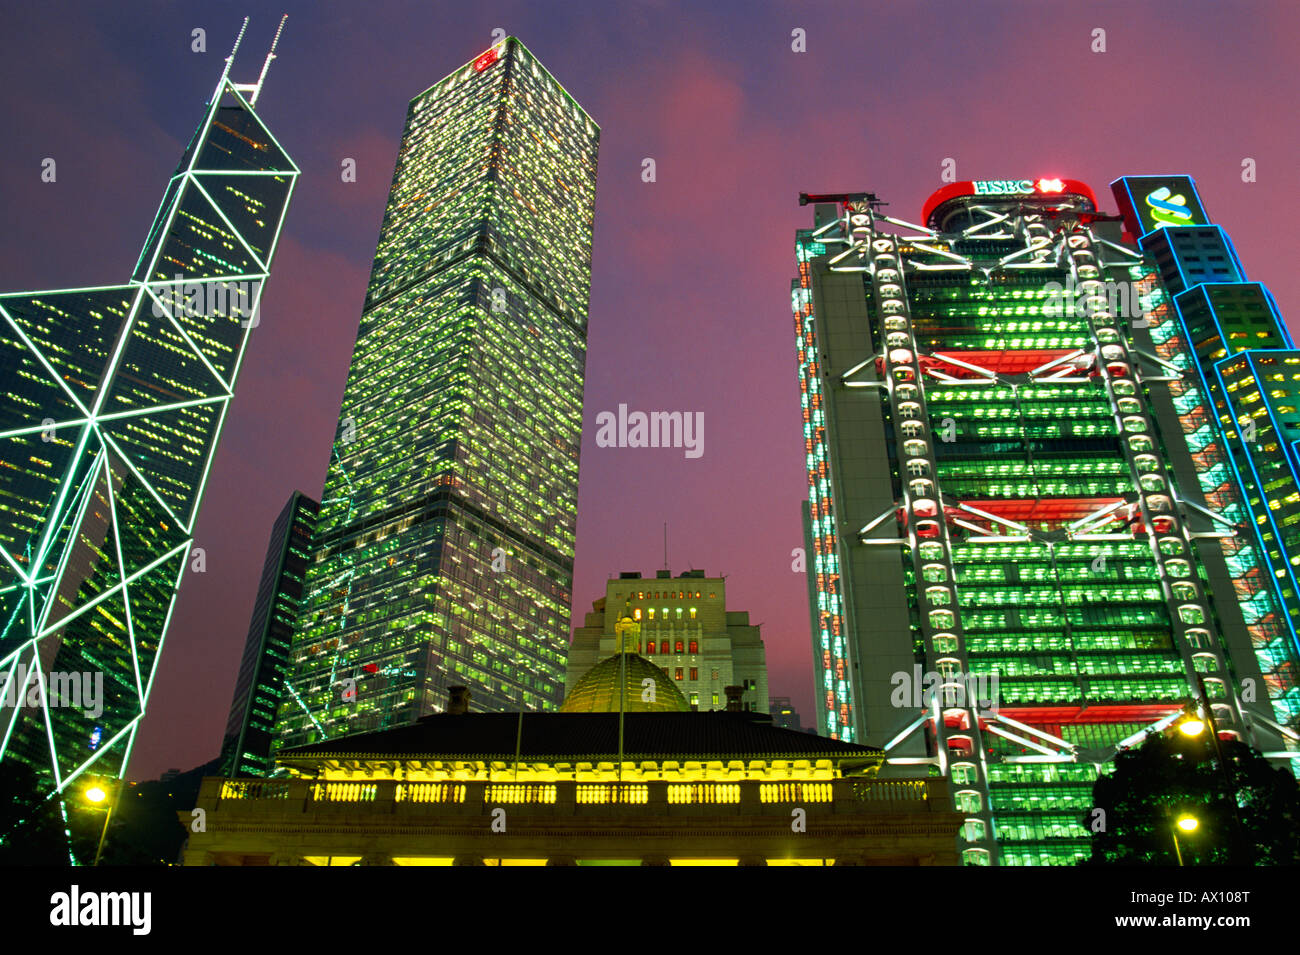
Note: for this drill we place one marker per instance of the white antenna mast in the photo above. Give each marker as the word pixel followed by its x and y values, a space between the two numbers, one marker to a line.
pixel 256 88
pixel 267 64
pixel 229 61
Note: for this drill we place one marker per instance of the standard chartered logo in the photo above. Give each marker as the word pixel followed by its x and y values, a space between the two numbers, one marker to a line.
pixel 1168 209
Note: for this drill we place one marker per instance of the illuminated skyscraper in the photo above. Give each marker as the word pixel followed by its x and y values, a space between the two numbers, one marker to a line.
pixel 1019 495
pixel 259 689
pixel 444 548
pixel 112 405
pixel 1235 401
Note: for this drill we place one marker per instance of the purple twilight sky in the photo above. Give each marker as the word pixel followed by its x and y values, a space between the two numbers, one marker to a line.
pixel 690 288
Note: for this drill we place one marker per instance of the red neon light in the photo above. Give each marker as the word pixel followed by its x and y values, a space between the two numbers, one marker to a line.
pixel 486 60
pixel 1037 510
pixel 1009 362
pixel 958 190
pixel 1045 716
pixel 952 191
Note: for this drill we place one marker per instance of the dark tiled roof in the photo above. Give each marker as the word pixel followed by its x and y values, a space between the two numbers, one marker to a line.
pixel 585 737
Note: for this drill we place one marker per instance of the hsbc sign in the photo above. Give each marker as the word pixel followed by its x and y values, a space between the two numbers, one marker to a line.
pixel 1070 191
pixel 1002 187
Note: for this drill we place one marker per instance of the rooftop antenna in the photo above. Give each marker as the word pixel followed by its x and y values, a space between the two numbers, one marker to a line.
pixel 256 88
pixel 665 545
pixel 230 60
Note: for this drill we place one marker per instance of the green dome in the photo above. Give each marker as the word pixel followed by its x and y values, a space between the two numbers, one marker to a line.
pixel 597 692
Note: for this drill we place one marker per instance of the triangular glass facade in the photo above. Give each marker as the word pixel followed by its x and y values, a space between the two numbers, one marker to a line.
pixel 112 406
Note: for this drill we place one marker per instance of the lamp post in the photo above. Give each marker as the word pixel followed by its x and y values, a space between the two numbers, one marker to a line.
pixel 1188 824
pixel 96 794
pixel 1194 726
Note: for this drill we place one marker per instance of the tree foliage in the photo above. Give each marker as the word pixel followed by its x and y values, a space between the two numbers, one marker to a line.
pixel 1248 810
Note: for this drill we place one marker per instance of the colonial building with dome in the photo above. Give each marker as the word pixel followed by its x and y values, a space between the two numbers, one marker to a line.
pixel 625 681
pixel 625 774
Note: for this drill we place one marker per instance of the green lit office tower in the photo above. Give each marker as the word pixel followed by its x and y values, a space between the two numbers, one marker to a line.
pixel 113 401
pixel 1235 400
pixel 444 548
pixel 259 688
pixel 1027 547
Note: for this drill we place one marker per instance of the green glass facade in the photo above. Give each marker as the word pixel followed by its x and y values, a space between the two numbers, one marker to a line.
pixel 1217 328
pixel 259 688
pixel 1261 398
pixel 444 549
pixel 112 405
pixel 1003 493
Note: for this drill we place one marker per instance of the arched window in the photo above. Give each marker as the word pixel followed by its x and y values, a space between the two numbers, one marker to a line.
pixel 650 648
pixel 695 646
pixel 663 646
pixel 679 647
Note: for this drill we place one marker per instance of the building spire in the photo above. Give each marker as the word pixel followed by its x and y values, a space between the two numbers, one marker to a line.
pixel 266 65
pixel 225 73
pixel 252 88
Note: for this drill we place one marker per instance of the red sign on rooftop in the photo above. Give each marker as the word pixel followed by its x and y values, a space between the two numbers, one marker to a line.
pixel 999 189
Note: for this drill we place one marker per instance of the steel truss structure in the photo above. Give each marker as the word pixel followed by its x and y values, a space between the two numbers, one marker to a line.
pixel 113 405
pixel 1135 516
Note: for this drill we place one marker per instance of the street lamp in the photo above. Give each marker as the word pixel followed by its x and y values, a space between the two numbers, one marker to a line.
pixel 95 795
pixel 1239 851
pixel 1189 824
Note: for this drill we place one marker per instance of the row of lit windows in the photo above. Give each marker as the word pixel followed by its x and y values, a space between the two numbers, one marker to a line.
pixel 668 595
pixel 650 612
pixel 663 648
